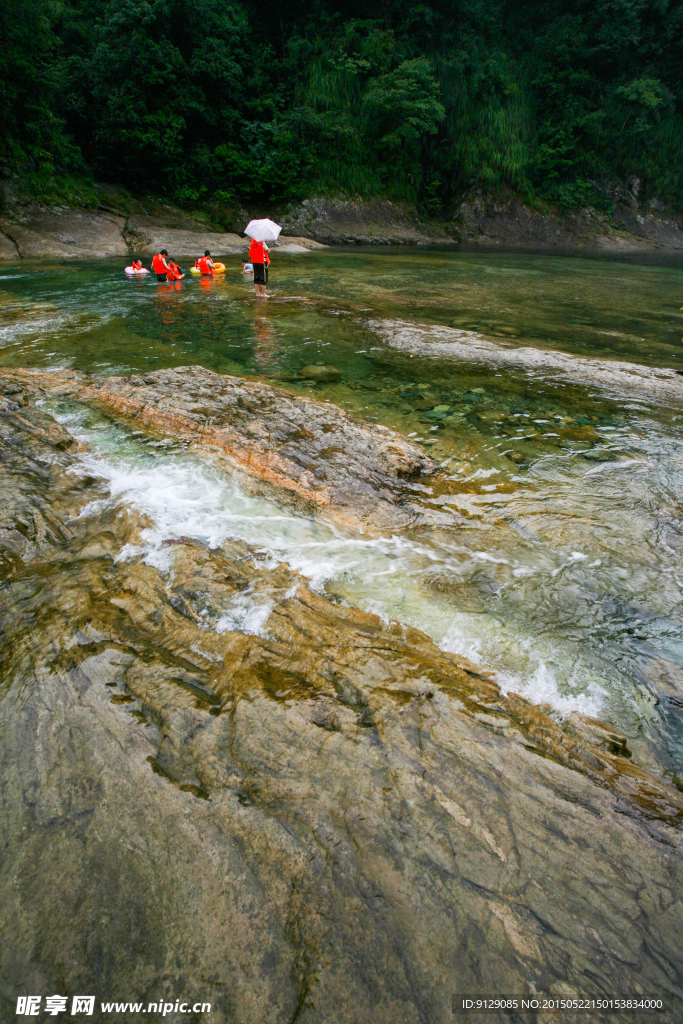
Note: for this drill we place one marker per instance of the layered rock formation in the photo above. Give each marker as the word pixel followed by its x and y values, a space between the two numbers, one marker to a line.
pixel 500 220
pixel 310 450
pixel 486 219
pixel 37 233
pixel 65 234
pixel 330 820
pixel 360 222
pixel 504 220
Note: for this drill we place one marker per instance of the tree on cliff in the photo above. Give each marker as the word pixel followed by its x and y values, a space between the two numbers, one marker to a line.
pixel 561 98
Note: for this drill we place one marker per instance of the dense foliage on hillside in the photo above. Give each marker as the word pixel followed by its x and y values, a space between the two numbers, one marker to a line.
pixel 269 101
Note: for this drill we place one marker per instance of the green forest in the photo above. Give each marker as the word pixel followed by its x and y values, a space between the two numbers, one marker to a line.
pixel 270 101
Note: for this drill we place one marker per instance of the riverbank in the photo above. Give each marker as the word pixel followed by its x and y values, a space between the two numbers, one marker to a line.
pixel 488 221
pixel 38 233
pixel 121 226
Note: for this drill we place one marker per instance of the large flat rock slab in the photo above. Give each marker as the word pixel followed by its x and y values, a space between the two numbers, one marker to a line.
pixel 39 234
pixel 144 236
pixel 329 819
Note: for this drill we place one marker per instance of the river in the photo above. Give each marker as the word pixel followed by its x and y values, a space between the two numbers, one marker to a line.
pixel 558 563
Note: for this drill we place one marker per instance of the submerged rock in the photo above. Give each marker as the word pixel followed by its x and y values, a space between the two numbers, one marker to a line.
pixel 320 374
pixel 613 376
pixel 326 819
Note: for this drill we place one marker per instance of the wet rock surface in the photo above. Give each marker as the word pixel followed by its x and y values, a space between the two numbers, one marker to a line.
pixel 34 232
pixel 503 219
pixel 361 222
pixel 146 236
pixel 487 220
pixel 332 820
pixel 614 376
pixel 65 234
pixel 312 450
pixel 479 219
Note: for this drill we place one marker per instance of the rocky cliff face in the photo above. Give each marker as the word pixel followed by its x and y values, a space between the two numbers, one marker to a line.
pixel 506 220
pixel 486 220
pixel 37 233
pixel 360 222
pixel 34 232
pixel 325 819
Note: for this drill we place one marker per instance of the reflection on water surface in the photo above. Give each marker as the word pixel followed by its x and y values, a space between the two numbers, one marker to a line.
pixel 558 558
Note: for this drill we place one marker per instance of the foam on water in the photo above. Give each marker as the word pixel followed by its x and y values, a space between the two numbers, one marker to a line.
pixel 245 615
pixel 533 676
pixel 557 558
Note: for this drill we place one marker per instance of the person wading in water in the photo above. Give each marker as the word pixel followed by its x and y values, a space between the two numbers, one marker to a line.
pixel 258 256
pixel 205 264
pixel 161 267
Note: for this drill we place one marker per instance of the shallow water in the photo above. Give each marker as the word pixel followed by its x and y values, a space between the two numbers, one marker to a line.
pixel 558 561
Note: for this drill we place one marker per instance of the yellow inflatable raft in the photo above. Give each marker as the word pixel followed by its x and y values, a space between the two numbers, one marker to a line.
pixel 218 268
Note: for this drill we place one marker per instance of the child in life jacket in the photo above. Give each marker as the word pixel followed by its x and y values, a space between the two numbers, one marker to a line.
pixel 174 271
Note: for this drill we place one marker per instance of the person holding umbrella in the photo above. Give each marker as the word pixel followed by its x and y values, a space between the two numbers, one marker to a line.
pixel 258 254
pixel 260 232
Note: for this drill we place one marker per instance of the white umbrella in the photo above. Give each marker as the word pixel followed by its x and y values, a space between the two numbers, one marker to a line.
pixel 263 230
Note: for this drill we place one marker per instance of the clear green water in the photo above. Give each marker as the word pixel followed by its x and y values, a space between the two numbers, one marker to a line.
pixel 558 558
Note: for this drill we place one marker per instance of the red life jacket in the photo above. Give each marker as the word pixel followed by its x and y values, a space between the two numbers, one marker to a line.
pixel 257 253
pixel 158 265
pixel 203 264
pixel 173 272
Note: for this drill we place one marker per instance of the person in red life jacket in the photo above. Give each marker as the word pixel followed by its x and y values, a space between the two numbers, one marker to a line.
pixel 136 264
pixel 258 256
pixel 205 264
pixel 174 271
pixel 160 266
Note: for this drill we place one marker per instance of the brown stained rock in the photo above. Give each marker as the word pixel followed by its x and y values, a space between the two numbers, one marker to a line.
pixel 8 248
pixel 310 449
